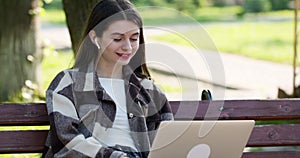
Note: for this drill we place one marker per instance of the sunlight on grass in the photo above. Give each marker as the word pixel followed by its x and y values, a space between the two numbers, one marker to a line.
pixel 169 88
pixel 53 13
pixel 208 14
pixel 35 155
pixel 14 128
pixel 54 17
pixel 266 41
pixel 166 16
pixel 53 63
pixel 272 41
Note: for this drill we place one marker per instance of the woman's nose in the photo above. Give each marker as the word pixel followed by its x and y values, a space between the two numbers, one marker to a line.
pixel 127 45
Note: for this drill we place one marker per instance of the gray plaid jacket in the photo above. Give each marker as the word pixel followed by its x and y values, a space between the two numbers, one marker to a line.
pixel 79 109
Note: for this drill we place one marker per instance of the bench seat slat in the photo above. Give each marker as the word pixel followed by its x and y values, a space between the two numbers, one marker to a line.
pixel 23 114
pixel 272 154
pixel 22 141
pixel 271 135
pixel 275 135
pixel 285 109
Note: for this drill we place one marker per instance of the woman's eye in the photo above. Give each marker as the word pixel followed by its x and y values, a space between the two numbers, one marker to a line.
pixel 134 39
pixel 117 39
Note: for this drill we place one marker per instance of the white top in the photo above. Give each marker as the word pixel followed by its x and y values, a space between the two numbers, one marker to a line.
pixel 120 131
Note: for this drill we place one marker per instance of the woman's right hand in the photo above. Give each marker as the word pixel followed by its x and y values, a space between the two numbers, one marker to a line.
pixel 124 155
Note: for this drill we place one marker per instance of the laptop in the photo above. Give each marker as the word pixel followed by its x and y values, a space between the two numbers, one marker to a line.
pixel 201 139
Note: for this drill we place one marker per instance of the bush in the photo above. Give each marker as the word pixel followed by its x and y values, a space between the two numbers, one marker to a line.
pixel 219 3
pixel 256 6
pixel 279 4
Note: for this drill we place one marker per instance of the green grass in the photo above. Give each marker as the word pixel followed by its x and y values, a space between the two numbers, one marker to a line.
pixel 167 16
pixel 265 36
pixel 52 64
pixel 212 14
pixel 271 41
pixel 53 17
pixel 53 13
pixel 33 155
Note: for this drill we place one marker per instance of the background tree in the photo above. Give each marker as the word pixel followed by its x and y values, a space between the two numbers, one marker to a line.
pixel 77 12
pixel 20 53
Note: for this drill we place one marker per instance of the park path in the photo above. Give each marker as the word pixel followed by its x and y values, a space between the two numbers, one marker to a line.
pixel 244 78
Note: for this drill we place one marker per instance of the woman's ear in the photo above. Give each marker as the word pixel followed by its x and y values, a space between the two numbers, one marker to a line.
pixel 93 38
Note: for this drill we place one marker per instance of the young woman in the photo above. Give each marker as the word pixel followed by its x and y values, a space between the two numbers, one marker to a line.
pixel 106 105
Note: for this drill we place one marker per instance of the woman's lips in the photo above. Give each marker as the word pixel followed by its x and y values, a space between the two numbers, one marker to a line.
pixel 123 55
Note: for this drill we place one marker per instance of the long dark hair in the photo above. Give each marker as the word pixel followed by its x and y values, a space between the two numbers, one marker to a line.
pixel 103 14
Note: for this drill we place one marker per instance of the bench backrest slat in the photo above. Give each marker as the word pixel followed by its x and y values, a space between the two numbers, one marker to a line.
pixel 272 154
pixel 22 141
pixel 23 114
pixel 286 109
pixel 36 114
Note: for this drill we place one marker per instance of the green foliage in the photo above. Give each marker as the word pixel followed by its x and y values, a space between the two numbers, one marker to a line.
pixel 139 3
pixel 185 5
pixel 279 4
pixel 213 14
pixel 219 3
pixel 52 4
pixel 256 6
pixel 203 3
pixel 30 92
pixel 196 3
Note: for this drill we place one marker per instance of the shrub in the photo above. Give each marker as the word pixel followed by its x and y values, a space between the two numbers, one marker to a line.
pixel 256 6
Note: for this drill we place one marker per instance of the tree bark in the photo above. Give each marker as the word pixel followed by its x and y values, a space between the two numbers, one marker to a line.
pixel 19 52
pixel 77 12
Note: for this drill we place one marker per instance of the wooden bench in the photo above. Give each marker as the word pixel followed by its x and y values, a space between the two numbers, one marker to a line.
pixel 263 135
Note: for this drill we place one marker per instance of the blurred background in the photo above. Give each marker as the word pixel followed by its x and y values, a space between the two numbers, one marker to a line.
pixel 254 41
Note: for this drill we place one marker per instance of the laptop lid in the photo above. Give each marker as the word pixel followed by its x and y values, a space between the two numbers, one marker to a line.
pixel 201 139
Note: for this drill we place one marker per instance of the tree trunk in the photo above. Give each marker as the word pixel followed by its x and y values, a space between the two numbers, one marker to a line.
pixel 77 12
pixel 19 52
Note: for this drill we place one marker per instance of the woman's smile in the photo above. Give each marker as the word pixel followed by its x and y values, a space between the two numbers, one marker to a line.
pixel 124 56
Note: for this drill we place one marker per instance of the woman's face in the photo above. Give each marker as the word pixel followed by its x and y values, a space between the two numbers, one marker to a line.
pixel 119 43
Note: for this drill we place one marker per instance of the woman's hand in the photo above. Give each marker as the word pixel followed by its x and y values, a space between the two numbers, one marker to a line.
pixel 124 155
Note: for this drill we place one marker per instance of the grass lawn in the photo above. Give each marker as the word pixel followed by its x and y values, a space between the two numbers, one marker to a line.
pixel 52 64
pixel 33 155
pixel 272 41
pixel 53 13
pixel 266 36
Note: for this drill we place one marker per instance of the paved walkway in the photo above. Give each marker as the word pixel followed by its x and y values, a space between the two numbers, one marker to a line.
pixel 243 77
